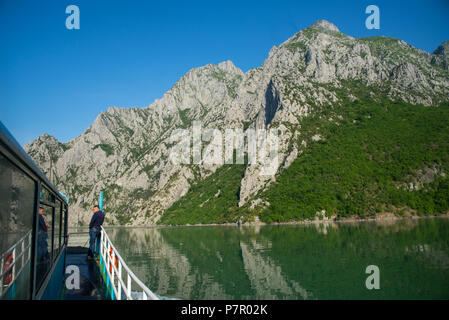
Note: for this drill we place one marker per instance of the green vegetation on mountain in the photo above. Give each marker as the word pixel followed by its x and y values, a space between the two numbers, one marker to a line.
pixel 183 115
pixel 369 155
pixel 212 200
pixel 365 163
pixel 109 150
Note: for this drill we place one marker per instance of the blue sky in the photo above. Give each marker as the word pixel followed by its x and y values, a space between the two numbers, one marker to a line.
pixel 128 53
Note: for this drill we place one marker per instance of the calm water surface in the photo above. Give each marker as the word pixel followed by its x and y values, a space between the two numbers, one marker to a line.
pixel 291 261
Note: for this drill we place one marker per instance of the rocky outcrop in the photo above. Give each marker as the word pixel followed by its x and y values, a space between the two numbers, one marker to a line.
pixel 441 56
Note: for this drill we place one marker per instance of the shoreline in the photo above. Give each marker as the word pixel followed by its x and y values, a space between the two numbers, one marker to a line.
pixel 312 222
pixel 377 218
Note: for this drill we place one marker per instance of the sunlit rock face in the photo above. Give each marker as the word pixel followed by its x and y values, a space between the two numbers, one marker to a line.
pixel 126 150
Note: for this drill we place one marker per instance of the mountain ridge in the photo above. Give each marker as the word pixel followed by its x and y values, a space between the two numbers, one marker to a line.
pixel 126 150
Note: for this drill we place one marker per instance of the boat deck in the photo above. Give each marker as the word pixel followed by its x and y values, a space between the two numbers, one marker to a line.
pixel 91 282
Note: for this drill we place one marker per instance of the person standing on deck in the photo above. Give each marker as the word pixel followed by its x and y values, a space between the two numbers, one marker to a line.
pixel 42 237
pixel 94 231
pixel 42 245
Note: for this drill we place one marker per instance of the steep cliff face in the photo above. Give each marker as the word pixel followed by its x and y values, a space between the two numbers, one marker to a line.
pixel 440 56
pixel 126 151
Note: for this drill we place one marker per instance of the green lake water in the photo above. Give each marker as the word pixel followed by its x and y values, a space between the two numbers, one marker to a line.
pixel 326 261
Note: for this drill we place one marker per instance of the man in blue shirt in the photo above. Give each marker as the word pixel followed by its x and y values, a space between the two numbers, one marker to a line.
pixel 94 231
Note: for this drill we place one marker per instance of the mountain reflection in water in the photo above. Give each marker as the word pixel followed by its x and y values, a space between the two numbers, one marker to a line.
pixel 322 261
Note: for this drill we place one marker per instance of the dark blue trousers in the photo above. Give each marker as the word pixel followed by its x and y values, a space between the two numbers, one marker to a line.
pixel 94 241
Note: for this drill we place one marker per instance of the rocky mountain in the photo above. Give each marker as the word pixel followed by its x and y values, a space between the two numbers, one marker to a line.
pixel 127 151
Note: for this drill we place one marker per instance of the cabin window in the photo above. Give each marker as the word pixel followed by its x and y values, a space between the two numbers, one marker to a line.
pixel 17 200
pixel 44 243
pixel 57 229
pixel 64 223
pixel 46 195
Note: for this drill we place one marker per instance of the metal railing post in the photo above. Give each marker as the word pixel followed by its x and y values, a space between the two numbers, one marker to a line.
pixel 13 265
pixel 113 269
pixel 29 246
pixel 101 245
pixel 119 296
pixel 108 255
pixel 128 287
pixel 23 252
pixel 1 277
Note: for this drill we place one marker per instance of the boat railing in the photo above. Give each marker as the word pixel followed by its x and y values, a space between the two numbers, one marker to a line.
pixel 13 261
pixel 115 268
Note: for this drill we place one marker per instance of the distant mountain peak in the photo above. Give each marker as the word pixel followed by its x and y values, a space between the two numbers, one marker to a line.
pixel 443 49
pixel 324 25
pixel 227 65
pixel 47 138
